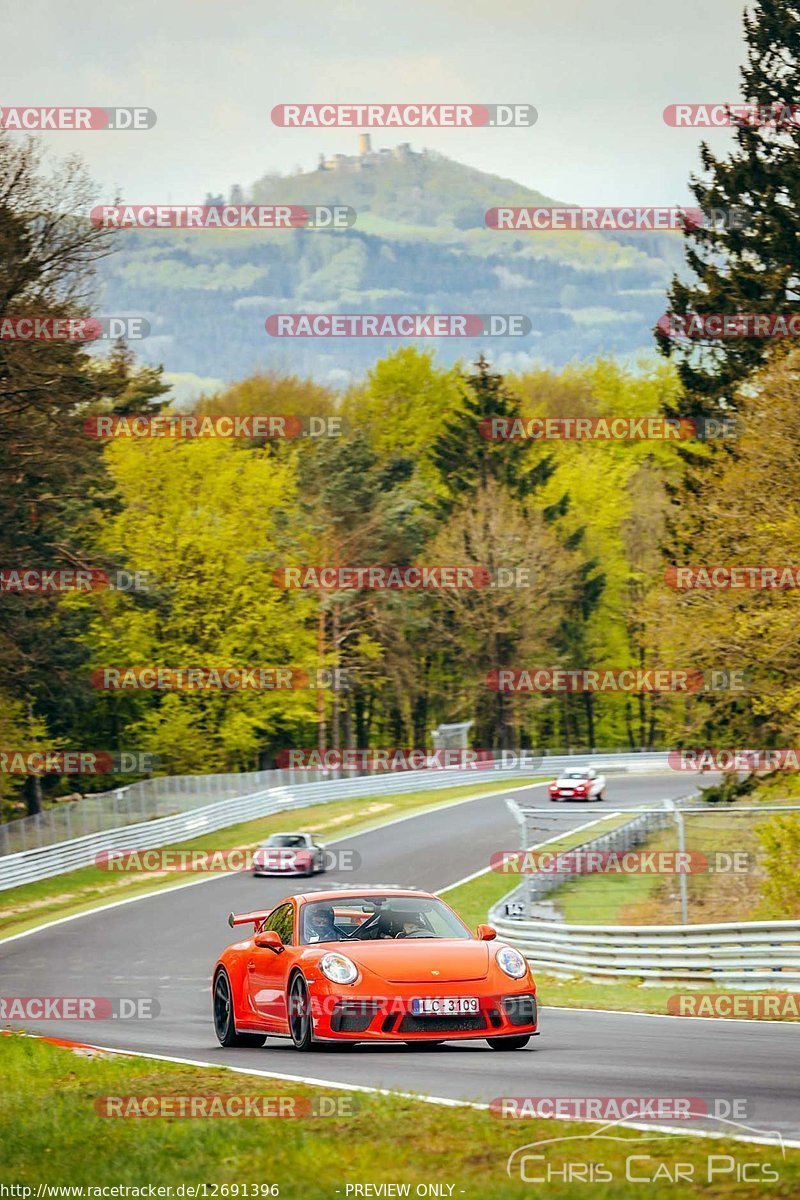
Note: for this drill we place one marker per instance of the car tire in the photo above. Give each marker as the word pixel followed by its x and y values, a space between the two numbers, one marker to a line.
pixel 301 1022
pixel 224 1027
pixel 509 1043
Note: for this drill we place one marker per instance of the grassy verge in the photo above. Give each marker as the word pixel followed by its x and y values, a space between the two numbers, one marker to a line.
pixel 601 899
pixel 375 1140
pixel 32 904
pixel 635 996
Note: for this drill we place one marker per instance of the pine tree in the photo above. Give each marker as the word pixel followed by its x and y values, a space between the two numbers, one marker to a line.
pixel 752 266
pixel 467 460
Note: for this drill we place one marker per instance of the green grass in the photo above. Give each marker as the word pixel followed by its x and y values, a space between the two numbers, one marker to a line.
pixel 633 995
pixel 606 899
pixel 52 1134
pixel 33 904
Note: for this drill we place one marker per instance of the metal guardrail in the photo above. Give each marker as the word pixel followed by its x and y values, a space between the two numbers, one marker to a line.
pixel 748 954
pixel 46 861
pixel 268 792
pixel 165 795
pixel 753 954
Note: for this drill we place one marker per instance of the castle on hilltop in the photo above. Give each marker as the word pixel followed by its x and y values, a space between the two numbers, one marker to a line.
pixel 367 157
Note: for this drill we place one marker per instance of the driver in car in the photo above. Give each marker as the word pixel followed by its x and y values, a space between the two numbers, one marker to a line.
pixel 411 925
pixel 320 926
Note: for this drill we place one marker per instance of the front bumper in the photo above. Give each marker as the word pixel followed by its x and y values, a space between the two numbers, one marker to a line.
pixel 258 869
pixel 389 1018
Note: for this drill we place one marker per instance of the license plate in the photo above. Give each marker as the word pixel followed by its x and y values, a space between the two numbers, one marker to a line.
pixel 567 792
pixel 445 1007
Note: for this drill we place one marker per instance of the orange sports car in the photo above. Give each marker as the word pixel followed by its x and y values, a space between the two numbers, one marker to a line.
pixel 370 965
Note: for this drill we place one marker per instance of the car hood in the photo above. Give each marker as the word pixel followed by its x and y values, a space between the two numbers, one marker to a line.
pixel 563 781
pixel 421 960
pixel 278 852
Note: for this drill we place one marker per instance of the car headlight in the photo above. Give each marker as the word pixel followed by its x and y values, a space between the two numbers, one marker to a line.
pixel 512 962
pixel 338 968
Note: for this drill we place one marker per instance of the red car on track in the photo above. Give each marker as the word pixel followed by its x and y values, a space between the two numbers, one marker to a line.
pixel 370 965
pixel 289 854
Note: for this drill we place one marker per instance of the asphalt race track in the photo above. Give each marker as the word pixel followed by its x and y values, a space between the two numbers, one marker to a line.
pixel 164 946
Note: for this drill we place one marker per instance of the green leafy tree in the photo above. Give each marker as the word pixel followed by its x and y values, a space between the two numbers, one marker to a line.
pixel 51 473
pixel 780 843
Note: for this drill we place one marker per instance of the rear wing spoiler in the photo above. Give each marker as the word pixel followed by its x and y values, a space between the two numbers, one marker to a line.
pixel 251 918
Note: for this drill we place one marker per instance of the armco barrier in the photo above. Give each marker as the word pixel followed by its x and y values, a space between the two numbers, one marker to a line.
pixel 764 954
pixel 42 862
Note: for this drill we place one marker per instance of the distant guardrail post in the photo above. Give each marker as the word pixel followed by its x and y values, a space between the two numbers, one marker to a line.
pixel 683 885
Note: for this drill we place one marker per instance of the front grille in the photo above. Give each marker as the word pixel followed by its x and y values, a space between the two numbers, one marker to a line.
pixel 462 1023
pixel 353 1016
pixel 520 1010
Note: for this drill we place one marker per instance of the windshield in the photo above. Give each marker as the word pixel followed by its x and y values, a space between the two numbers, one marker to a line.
pixel 576 775
pixel 286 840
pixel 375 918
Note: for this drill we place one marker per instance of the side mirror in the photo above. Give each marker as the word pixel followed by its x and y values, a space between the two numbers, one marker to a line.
pixel 269 940
pixel 486 933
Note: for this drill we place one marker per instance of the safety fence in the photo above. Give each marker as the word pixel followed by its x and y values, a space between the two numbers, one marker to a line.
pixel 749 954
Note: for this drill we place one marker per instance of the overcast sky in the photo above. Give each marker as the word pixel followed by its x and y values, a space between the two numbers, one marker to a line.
pixel 600 73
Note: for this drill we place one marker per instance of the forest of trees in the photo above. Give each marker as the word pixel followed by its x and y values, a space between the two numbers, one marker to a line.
pixel 411 480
